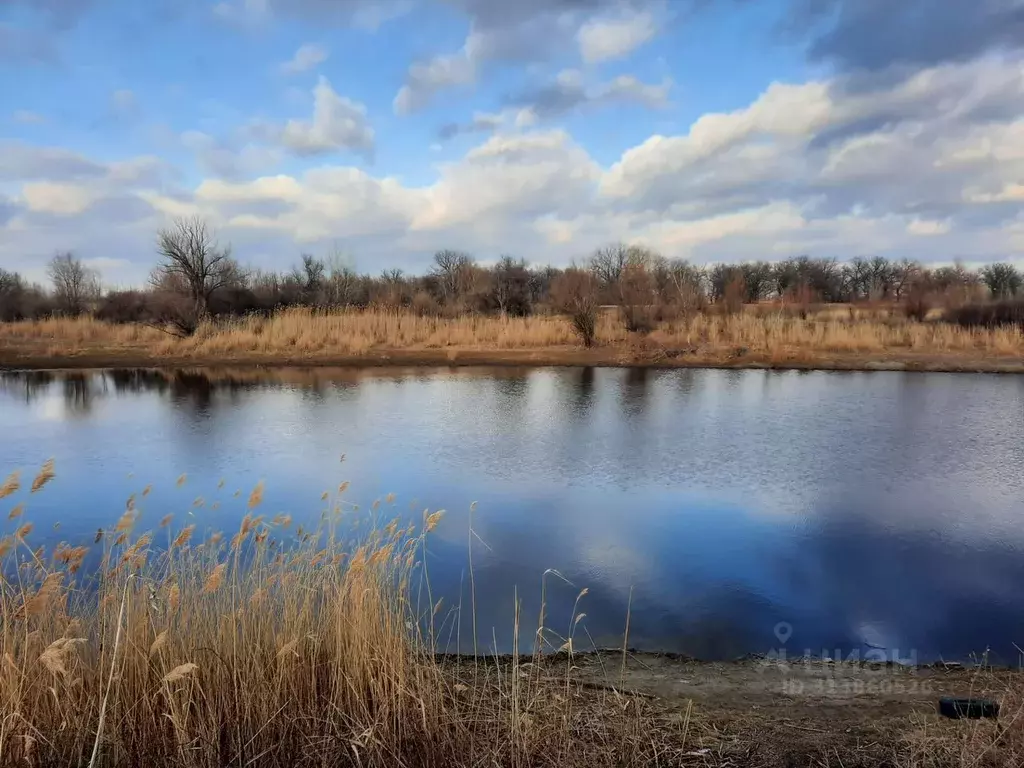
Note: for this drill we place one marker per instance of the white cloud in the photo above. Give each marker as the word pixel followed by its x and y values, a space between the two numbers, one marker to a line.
pixel 930 167
pixel 230 159
pixel 917 149
pixel 928 228
pixel 63 199
pixel 338 124
pixel 426 78
pixel 614 37
pixel 307 57
pixel 569 91
pixel 1011 192
pixel 522 31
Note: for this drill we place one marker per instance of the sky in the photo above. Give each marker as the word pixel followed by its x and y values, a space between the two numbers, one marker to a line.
pixel 379 131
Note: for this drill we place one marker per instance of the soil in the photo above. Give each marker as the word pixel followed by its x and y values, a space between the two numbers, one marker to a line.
pixel 766 713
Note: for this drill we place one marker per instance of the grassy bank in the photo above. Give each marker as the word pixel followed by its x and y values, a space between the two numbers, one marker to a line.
pixel 833 337
pixel 276 646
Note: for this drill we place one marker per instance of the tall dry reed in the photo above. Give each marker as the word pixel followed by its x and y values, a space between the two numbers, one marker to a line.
pixel 279 649
pixel 294 333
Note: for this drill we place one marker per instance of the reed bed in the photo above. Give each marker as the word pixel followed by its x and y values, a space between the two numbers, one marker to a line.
pixel 270 646
pixel 295 333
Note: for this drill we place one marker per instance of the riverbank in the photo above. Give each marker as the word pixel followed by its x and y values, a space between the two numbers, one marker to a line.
pixel 758 712
pixel 831 339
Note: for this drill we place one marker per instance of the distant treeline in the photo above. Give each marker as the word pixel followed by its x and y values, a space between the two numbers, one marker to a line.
pixel 195 277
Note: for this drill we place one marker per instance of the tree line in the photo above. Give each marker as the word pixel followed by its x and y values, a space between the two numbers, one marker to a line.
pixel 196 277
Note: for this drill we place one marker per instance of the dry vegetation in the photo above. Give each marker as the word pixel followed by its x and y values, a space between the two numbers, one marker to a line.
pixel 760 335
pixel 271 646
pixel 278 646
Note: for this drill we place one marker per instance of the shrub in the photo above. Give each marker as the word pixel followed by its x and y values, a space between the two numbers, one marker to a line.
pixel 574 292
pixel 990 315
pixel 124 307
pixel 637 299
pixel 425 305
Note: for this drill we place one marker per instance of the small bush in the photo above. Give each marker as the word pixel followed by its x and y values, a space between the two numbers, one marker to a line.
pixel 575 292
pixel 990 315
pixel 124 307
pixel 917 306
pixel 425 305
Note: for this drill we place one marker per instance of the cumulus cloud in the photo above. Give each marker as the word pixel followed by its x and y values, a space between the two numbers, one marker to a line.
pixel 229 158
pixel 930 167
pixel 338 124
pixel 569 92
pixel 606 38
pixel 426 78
pixel 20 161
pixel 911 150
pixel 528 30
pixel 63 201
pixel 307 57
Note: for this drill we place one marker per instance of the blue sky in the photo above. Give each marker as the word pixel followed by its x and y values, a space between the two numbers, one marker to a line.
pixel 386 129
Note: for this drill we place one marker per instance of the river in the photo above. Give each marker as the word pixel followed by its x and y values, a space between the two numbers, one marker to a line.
pixel 727 512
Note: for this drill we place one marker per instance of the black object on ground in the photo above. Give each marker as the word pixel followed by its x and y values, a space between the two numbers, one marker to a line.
pixel 971 708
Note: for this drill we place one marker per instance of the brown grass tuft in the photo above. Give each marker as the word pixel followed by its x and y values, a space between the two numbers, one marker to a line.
pixel 183 537
pixel 46 474
pixel 38 603
pixel 180 672
pixel 256 497
pixel 10 485
pixel 215 579
pixel 18 511
pixel 158 643
pixel 173 597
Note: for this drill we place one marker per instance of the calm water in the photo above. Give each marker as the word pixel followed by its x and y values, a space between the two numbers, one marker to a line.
pixel 863 511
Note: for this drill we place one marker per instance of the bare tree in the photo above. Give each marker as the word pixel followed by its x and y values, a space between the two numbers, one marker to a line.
pixel 74 284
pixel 903 275
pixel 637 296
pixel 575 293
pixel 607 263
pixel 310 276
pixel 453 271
pixel 192 259
pixel 512 286
pixel 12 289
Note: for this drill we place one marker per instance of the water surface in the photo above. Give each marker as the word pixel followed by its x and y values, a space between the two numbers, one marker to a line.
pixel 868 512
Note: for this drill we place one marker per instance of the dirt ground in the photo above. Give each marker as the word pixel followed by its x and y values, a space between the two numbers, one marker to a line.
pixel 765 713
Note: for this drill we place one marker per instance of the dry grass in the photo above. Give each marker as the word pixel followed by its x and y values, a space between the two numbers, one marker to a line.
pixel 970 743
pixel 768 333
pixel 284 648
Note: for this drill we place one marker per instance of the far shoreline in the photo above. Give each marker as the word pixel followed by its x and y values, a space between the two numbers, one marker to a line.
pixel 610 356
